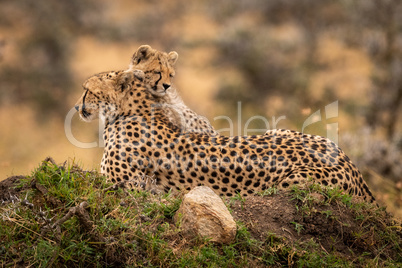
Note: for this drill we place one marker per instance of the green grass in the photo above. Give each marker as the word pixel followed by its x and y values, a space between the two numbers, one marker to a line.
pixel 129 229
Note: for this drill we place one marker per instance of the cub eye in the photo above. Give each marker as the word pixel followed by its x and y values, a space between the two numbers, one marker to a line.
pixel 157 72
pixel 171 75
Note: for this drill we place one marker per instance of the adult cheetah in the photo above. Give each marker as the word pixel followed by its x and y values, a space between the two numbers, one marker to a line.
pixel 141 143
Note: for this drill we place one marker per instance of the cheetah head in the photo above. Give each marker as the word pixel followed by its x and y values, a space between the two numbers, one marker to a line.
pixel 157 66
pixel 106 93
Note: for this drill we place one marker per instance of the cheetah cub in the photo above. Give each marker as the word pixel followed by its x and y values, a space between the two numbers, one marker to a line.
pixel 158 68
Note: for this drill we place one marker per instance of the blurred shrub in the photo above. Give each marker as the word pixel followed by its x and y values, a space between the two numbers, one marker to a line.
pixel 372 152
pixel 273 66
pixel 41 77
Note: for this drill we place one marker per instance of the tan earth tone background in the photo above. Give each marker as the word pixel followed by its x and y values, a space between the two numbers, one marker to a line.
pixel 277 58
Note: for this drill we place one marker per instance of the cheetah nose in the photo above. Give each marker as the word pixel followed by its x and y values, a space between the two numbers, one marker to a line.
pixel 166 86
pixel 77 107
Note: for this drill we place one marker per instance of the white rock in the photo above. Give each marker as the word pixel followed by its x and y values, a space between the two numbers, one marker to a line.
pixel 203 213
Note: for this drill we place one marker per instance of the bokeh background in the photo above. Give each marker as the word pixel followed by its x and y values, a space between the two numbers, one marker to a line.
pixel 278 58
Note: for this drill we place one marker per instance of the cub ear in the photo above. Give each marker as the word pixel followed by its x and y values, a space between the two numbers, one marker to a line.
pixel 139 74
pixel 124 81
pixel 172 57
pixel 142 53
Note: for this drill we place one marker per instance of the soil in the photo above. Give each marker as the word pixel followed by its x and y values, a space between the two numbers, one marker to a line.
pixel 8 189
pixel 278 214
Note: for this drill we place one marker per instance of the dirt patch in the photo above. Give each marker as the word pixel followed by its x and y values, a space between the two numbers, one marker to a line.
pixel 9 188
pixel 266 214
pixel 333 226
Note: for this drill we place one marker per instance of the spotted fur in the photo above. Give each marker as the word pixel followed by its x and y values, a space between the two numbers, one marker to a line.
pixel 158 68
pixel 144 147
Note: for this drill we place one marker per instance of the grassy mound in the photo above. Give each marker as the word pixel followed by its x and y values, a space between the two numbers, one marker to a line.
pixel 63 216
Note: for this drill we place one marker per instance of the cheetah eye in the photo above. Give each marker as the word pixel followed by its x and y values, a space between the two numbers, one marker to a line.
pixel 171 75
pixel 157 72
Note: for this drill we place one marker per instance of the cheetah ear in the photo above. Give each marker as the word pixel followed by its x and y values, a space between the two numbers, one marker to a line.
pixel 124 81
pixel 139 74
pixel 172 57
pixel 142 53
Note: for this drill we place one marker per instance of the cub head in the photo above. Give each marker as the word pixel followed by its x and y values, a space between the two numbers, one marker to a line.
pixel 157 66
pixel 105 94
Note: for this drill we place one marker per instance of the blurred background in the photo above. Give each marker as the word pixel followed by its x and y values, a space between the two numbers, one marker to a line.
pixel 279 59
